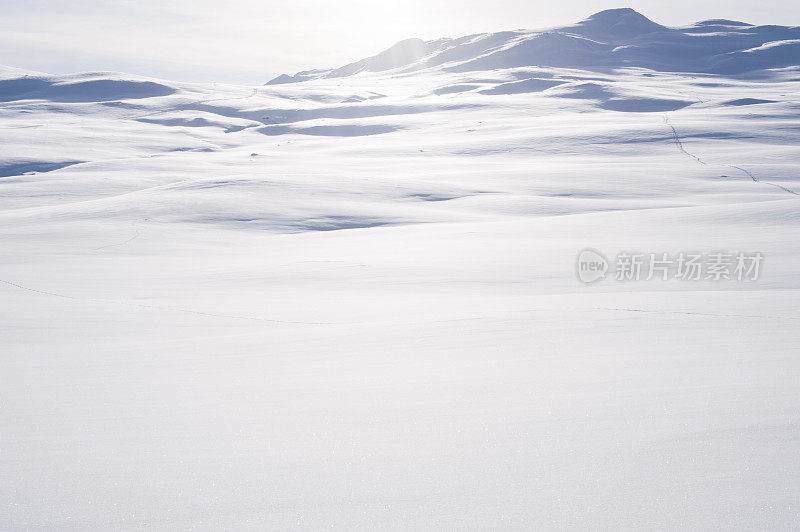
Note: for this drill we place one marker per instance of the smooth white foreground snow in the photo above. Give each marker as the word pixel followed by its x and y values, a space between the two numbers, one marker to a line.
pixel 351 303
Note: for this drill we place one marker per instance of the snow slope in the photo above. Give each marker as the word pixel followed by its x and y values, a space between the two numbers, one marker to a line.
pixel 350 301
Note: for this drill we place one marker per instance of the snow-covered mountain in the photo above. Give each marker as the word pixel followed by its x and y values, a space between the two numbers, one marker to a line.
pixel 607 40
pixel 351 301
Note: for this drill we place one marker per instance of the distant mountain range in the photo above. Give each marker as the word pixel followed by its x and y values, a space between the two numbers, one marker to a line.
pixel 610 39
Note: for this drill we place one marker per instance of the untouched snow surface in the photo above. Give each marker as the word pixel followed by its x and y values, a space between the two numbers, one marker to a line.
pixel 351 302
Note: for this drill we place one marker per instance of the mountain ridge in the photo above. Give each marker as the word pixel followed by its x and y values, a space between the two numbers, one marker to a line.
pixel 606 40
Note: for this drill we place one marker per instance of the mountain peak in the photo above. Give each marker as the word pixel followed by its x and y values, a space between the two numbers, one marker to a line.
pixel 620 22
pixel 616 13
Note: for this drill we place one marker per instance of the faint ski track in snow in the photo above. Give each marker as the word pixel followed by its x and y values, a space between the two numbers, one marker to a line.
pixel 131 239
pixel 687 313
pixel 679 144
pixel 168 309
pixel 621 309
pixel 781 187
pixel 679 312
pixel 678 141
pixel 754 178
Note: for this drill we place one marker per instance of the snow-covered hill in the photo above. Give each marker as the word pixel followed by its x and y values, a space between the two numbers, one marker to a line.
pixel 607 40
pixel 350 301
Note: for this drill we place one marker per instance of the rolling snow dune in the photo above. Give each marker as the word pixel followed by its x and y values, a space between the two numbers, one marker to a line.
pixel 347 299
pixel 83 90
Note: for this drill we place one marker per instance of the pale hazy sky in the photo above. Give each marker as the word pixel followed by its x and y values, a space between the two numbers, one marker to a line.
pixel 250 41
